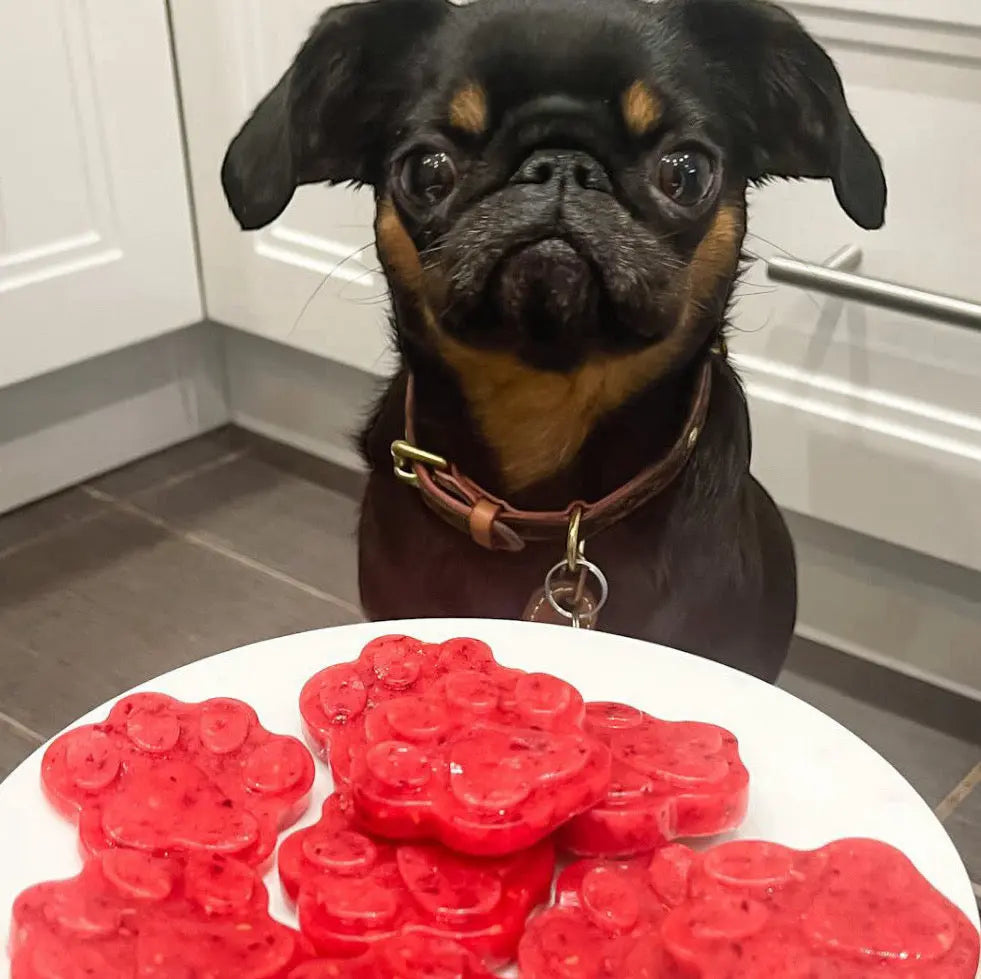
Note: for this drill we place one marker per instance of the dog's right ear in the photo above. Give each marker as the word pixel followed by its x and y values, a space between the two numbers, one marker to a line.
pixel 328 117
pixel 784 101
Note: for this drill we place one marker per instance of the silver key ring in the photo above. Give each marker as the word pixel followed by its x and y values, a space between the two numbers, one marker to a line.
pixel 594 571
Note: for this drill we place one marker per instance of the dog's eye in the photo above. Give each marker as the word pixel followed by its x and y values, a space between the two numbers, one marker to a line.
pixel 428 177
pixel 685 176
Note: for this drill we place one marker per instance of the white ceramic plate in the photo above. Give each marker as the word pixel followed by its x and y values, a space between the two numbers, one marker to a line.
pixel 812 781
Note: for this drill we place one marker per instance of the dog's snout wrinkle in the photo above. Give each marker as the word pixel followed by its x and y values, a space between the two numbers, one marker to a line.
pixel 565 168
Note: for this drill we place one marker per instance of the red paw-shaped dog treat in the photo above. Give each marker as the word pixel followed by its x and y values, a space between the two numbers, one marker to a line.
pixel 487 763
pixel 605 924
pixel 166 777
pixel 409 956
pixel 353 892
pixel 335 702
pixel 131 914
pixel 669 780
pixel 850 910
pixel 742 910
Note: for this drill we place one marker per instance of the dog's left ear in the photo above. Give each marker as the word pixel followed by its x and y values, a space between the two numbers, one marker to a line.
pixel 329 116
pixel 786 102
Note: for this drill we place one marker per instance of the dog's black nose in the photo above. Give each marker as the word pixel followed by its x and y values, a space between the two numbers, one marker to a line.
pixel 565 167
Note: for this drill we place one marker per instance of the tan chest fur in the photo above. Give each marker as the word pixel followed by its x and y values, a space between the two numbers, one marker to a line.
pixel 537 421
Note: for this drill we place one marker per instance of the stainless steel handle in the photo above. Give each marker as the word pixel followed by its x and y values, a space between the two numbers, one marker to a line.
pixel 836 278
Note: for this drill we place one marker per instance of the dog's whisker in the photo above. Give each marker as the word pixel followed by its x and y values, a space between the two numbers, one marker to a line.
pixel 323 282
pixel 766 241
pixel 760 258
pixel 752 331
pixel 360 279
pixel 369 300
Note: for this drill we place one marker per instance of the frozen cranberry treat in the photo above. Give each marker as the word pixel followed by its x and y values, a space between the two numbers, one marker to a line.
pixel 411 956
pixel 335 702
pixel 669 780
pixel 130 914
pixel 166 777
pixel 605 924
pixel 353 892
pixel 487 762
pixel 744 910
pixel 854 909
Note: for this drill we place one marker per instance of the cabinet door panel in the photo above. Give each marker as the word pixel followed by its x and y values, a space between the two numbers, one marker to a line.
pixel 96 245
pixel 865 417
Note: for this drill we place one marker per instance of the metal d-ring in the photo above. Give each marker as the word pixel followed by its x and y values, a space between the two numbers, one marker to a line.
pixel 574 548
pixel 594 570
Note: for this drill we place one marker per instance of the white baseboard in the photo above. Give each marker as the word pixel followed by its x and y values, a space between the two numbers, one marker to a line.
pixel 62 428
pixel 888 605
pixel 67 426
pixel 296 397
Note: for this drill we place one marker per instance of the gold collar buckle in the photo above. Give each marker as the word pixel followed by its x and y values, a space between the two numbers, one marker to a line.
pixel 405 457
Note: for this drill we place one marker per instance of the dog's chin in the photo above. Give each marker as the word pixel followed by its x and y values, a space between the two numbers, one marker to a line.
pixel 555 305
pixel 550 302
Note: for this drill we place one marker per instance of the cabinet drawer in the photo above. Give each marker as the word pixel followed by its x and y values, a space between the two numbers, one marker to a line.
pixel 867 417
pixel 957 13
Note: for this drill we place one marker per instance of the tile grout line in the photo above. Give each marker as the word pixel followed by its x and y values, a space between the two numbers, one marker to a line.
pixel 958 794
pixel 49 533
pixel 167 483
pixel 198 540
pixel 22 729
pixel 182 477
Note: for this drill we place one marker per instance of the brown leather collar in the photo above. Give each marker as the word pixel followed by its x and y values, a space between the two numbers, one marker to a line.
pixel 496 525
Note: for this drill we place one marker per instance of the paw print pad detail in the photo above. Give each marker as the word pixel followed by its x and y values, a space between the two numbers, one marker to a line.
pixel 353 892
pixel 606 917
pixel 746 909
pixel 166 777
pixel 670 780
pixel 335 702
pixel 410 956
pixel 487 763
pixel 129 913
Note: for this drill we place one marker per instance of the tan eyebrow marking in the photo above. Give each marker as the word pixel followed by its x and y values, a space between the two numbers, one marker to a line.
pixel 642 109
pixel 468 109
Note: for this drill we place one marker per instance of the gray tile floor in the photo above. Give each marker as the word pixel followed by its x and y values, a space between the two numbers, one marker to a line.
pixel 229 539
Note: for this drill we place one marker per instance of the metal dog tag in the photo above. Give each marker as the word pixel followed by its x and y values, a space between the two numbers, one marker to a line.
pixel 565 598
pixel 540 609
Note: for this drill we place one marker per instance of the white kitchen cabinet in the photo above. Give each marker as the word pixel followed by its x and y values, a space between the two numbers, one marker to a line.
pixel 953 13
pixel 311 279
pixel 866 418
pixel 96 239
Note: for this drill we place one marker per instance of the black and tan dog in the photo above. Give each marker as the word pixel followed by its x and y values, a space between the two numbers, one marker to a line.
pixel 561 190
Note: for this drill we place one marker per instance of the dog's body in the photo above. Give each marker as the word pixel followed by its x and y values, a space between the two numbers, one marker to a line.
pixel 561 207
pixel 707 566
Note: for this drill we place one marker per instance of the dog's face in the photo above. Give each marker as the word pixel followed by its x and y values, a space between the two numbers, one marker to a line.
pixel 561 182
pixel 567 193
